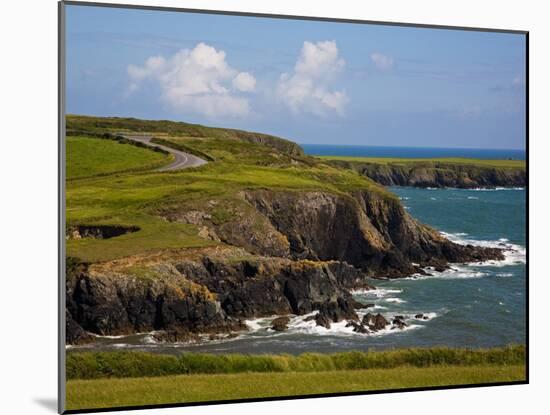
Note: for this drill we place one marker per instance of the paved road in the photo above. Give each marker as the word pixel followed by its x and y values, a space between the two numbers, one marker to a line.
pixel 182 160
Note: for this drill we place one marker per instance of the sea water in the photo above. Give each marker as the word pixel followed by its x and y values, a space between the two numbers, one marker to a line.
pixel 411 152
pixel 468 305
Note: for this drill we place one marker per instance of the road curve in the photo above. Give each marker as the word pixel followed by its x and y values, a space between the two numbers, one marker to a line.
pixel 181 160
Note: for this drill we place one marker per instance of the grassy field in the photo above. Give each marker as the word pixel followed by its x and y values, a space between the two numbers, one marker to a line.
pixel 88 157
pixel 136 198
pixel 87 394
pixel 506 164
pixel 121 364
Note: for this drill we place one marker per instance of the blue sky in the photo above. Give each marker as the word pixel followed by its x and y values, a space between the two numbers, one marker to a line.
pixel 312 82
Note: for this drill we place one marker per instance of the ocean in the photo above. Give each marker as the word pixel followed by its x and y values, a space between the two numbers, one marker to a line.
pixel 411 152
pixel 469 305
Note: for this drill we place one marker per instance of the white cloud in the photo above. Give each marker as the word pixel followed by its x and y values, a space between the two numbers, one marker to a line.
pixel 244 82
pixel 196 80
pixel 308 88
pixel 382 62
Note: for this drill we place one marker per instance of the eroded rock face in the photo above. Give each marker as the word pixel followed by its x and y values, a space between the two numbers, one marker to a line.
pixel 98 231
pixel 208 293
pixel 375 322
pixel 284 253
pixel 368 229
pixel 438 175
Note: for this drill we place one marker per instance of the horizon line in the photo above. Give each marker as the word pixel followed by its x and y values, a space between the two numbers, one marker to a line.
pixel 421 146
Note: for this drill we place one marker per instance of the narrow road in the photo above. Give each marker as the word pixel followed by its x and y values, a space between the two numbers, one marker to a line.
pixel 182 160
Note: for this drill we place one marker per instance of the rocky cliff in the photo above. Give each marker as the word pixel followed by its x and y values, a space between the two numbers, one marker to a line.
pixel 205 291
pixel 280 252
pixel 438 174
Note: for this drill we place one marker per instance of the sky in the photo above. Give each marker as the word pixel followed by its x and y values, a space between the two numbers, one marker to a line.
pixel 309 81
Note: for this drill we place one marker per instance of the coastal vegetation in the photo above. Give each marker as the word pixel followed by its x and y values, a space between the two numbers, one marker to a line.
pixel 436 172
pixel 122 364
pixel 115 379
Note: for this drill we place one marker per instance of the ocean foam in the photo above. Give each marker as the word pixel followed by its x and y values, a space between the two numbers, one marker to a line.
pixel 395 300
pixel 513 253
pixel 494 189
pixel 377 292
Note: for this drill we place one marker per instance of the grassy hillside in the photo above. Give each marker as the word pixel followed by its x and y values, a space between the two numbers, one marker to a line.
pixel 136 198
pixel 500 164
pixel 100 125
pixel 82 394
pixel 87 156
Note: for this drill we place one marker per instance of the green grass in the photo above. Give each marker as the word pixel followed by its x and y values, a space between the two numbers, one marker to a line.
pixel 89 365
pixel 100 125
pixel 136 198
pixel 102 393
pixel 507 164
pixel 88 157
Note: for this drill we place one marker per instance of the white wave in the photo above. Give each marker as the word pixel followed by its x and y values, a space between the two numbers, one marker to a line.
pixel 494 189
pixel 259 323
pixel 395 300
pixel 455 272
pixel 100 336
pixel 473 198
pixel 149 339
pixel 430 315
pixel 378 292
pixel 513 253
pixel 121 345
pixel 390 329
pixel 504 274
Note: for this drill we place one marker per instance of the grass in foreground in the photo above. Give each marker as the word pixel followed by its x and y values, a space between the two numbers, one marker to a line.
pixel 499 164
pixel 87 394
pixel 89 365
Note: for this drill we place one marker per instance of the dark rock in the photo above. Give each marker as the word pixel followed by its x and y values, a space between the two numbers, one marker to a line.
pixel 419 316
pixel 322 320
pixel 374 322
pixel 398 322
pixel 74 333
pixel 357 327
pixel 369 231
pixel 280 323
pixel 335 311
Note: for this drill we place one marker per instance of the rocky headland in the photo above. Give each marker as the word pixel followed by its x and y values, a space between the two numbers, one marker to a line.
pixel 438 174
pixel 260 230
pixel 279 253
